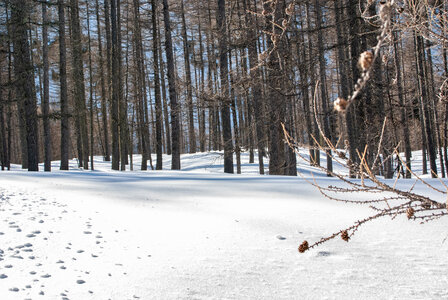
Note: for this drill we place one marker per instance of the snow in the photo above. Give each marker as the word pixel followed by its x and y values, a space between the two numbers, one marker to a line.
pixel 202 234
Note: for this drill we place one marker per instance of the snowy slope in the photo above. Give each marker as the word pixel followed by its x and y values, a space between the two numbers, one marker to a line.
pixel 201 234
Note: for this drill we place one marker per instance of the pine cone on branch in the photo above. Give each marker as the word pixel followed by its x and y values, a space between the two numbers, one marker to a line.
pixel 303 247
pixel 344 235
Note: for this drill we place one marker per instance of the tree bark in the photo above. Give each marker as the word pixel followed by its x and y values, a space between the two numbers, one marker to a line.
pixel 323 86
pixel 175 113
pixel 90 89
pixel 104 94
pixel 223 72
pixel 46 90
pixel 157 95
pixel 65 123
pixel 24 79
pixel 79 86
pixel 115 87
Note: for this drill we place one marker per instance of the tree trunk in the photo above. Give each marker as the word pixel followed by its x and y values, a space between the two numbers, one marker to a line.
pixel 104 95
pixel 46 90
pixel 3 138
pixel 275 82
pixel 115 87
pixel 323 86
pixel 65 123
pixel 79 87
pixel 90 88
pixel 424 101
pixel 350 116
pixel 223 72
pixel 122 105
pixel 157 87
pixel 175 110
pixel 24 79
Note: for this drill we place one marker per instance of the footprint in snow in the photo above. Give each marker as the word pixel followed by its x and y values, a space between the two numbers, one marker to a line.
pixel 3 276
pixel 14 289
pixel 280 237
pixel 80 281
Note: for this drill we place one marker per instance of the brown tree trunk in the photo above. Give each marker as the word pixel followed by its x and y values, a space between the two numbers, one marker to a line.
pixel 175 109
pixel 115 87
pixel 223 72
pixel 104 94
pixel 46 91
pixel 275 82
pixel 79 87
pixel 123 121
pixel 65 123
pixel 90 89
pixel 157 95
pixel 24 79
pixel 323 86
pixel 424 101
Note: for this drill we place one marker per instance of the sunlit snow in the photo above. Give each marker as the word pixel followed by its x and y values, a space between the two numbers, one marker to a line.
pixel 202 234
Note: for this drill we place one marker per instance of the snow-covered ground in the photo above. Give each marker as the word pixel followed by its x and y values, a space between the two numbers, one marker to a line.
pixel 202 234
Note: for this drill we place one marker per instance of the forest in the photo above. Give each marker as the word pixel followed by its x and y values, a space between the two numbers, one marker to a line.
pixel 156 125
pixel 115 78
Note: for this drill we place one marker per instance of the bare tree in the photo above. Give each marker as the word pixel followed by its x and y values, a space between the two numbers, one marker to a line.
pixel 24 78
pixel 175 124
